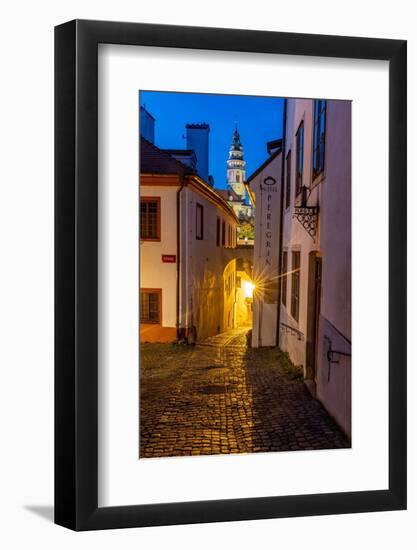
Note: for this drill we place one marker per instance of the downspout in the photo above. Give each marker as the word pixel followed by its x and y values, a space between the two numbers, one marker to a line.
pixel 182 185
pixel 281 220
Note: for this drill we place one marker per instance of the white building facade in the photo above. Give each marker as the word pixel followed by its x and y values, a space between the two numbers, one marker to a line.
pixel 187 234
pixel 313 243
pixel 236 194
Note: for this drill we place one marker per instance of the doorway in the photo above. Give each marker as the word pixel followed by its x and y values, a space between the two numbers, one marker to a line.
pixel 313 313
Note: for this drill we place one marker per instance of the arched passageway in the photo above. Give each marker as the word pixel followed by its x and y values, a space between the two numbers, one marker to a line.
pixel 238 287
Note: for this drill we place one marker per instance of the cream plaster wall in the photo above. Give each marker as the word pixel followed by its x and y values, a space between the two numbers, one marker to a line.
pixel 202 266
pixel 334 379
pixel 153 272
pixel 295 237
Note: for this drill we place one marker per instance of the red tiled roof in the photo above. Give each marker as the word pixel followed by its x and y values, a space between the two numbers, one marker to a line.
pixel 155 161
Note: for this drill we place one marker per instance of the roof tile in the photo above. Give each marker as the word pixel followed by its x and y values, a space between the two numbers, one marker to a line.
pixel 155 161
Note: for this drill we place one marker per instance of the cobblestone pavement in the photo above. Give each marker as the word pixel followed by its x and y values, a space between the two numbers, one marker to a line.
pixel 222 397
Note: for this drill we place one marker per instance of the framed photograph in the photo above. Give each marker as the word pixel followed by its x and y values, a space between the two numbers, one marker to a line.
pixel 230 253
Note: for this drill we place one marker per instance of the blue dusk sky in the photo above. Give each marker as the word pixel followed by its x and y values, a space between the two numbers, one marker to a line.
pixel 259 120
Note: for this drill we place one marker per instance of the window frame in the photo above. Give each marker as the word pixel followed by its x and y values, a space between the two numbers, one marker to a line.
pixel 319 147
pixel 299 153
pixel 288 160
pixel 218 231
pixel 284 277
pixel 158 292
pixel 148 199
pixel 199 230
pixel 295 284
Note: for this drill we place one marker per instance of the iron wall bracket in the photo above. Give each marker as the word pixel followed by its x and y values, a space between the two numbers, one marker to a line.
pixel 308 217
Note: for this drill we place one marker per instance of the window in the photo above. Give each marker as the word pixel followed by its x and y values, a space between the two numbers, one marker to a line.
pixel 319 136
pixel 223 233
pixel 150 216
pixel 299 160
pixel 218 232
pixel 284 269
pixel 288 181
pixel 237 177
pixel 295 285
pixel 150 306
pixel 199 222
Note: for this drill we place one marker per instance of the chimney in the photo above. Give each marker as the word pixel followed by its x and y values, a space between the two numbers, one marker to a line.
pixel 198 140
pixel 147 125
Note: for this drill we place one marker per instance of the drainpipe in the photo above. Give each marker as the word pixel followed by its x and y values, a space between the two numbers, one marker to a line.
pixel 281 219
pixel 182 185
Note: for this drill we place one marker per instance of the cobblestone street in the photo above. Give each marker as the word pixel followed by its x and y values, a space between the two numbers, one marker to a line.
pixel 222 397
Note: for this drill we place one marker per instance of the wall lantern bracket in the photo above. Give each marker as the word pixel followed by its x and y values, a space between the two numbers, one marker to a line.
pixel 308 217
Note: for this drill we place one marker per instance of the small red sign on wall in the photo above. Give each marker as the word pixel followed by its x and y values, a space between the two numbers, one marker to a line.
pixel 169 258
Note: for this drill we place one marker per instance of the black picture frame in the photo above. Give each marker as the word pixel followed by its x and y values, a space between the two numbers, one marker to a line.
pixel 76 272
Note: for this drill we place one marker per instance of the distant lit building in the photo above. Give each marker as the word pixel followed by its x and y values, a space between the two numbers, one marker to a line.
pixel 236 194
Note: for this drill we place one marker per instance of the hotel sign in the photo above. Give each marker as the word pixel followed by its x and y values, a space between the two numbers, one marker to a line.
pixel 268 212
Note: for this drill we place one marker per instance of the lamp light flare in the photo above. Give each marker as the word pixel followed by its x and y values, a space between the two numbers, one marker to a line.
pixel 248 287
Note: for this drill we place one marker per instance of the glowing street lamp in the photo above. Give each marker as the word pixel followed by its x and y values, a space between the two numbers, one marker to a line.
pixel 248 287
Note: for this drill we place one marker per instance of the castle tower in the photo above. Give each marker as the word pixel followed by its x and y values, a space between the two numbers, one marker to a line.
pixel 236 167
